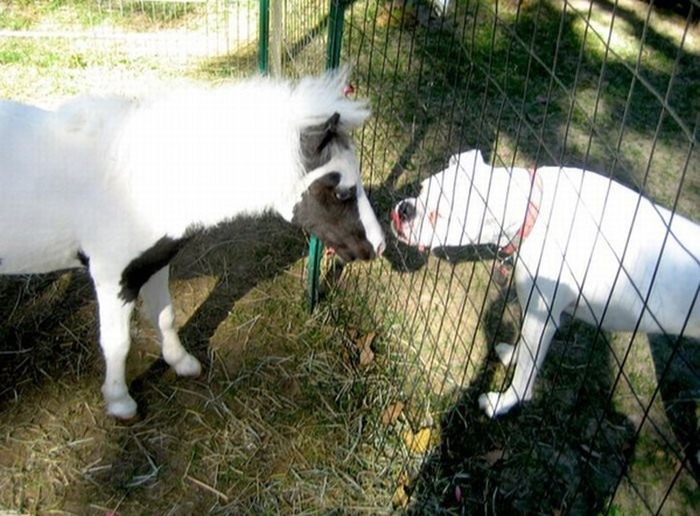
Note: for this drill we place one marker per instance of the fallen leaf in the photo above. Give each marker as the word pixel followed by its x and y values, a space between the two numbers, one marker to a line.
pixel 400 498
pixel 364 346
pixel 366 357
pixel 494 456
pixel 366 341
pixel 392 413
pixel 420 441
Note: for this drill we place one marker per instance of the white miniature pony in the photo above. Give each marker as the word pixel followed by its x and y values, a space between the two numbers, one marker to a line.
pixel 117 185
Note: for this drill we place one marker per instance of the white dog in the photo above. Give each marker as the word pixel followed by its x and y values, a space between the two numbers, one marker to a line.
pixel 118 185
pixel 586 245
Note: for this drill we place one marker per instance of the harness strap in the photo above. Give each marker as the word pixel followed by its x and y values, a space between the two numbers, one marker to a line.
pixel 533 210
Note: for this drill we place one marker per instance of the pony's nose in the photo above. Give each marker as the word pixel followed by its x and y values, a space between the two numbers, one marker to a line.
pixel 379 250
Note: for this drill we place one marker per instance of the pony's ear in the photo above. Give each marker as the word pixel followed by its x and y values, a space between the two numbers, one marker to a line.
pixel 330 131
pixel 315 140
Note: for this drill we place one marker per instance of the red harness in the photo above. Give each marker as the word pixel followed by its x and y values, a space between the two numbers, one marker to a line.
pixel 533 209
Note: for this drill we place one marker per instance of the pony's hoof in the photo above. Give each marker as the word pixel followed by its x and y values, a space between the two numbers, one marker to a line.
pixel 123 409
pixel 188 366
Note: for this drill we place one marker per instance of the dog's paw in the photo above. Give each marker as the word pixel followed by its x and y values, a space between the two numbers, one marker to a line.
pixel 495 404
pixel 187 366
pixel 505 353
pixel 487 403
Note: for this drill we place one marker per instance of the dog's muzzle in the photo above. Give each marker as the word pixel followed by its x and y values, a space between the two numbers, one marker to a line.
pixel 404 212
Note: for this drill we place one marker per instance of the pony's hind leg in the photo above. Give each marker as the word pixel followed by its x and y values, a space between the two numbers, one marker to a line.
pixel 157 306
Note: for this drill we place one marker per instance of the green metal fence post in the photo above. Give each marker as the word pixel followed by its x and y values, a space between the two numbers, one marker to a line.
pixel 335 33
pixel 264 40
pixel 335 39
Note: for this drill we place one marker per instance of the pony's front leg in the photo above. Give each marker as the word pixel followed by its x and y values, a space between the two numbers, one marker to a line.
pixel 157 305
pixel 115 315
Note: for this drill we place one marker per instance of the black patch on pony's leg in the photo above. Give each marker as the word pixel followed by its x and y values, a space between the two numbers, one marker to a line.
pixel 84 259
pixel 141 268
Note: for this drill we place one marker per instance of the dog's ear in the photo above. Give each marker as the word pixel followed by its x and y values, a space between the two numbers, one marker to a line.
pixel 315 140
pixel 470 159
pixel 468 162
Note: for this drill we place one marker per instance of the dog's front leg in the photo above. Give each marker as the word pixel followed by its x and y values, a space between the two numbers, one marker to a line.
pixel 506 353
pixel 115 315
pixel 157 305
pixel 536 334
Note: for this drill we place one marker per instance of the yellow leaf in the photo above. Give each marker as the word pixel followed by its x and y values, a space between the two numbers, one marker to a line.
pixel 400 498
pixel 366 341
pixel 420 441
pixel 366 357
pixel 494 456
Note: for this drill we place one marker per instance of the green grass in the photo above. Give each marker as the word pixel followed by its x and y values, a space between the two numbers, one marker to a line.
pixel 83 14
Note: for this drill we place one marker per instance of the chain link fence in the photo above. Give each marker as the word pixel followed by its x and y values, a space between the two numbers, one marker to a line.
pixel 607 86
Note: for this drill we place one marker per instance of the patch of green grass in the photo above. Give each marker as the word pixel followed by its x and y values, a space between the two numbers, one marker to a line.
pixel 137 15
pixel 30 53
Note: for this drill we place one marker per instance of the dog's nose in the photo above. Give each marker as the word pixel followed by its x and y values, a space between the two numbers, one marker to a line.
pixel 395 222
pixel 406 211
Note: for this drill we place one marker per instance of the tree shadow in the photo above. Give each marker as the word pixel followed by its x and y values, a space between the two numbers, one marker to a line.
pixel 527 87
pixel 239 255
pixel 50 326
pixel 677 367
pixel 565 451
pixel 519 88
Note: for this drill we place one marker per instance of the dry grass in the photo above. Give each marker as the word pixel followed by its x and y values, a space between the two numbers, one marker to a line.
pixel 274 425
pixel 290 415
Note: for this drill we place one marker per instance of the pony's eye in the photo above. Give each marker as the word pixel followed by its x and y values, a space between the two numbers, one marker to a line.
pixel 344 194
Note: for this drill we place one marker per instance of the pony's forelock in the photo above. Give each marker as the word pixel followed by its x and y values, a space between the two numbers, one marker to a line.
pixel 317 98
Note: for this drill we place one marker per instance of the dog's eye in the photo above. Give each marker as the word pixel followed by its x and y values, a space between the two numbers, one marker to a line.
pixel 345 194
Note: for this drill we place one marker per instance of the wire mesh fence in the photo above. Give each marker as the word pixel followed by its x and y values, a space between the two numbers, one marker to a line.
pixel 605 86
pixel 108 45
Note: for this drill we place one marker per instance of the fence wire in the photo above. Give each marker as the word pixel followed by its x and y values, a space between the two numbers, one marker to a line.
pixel 605 86
pixel 109 45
